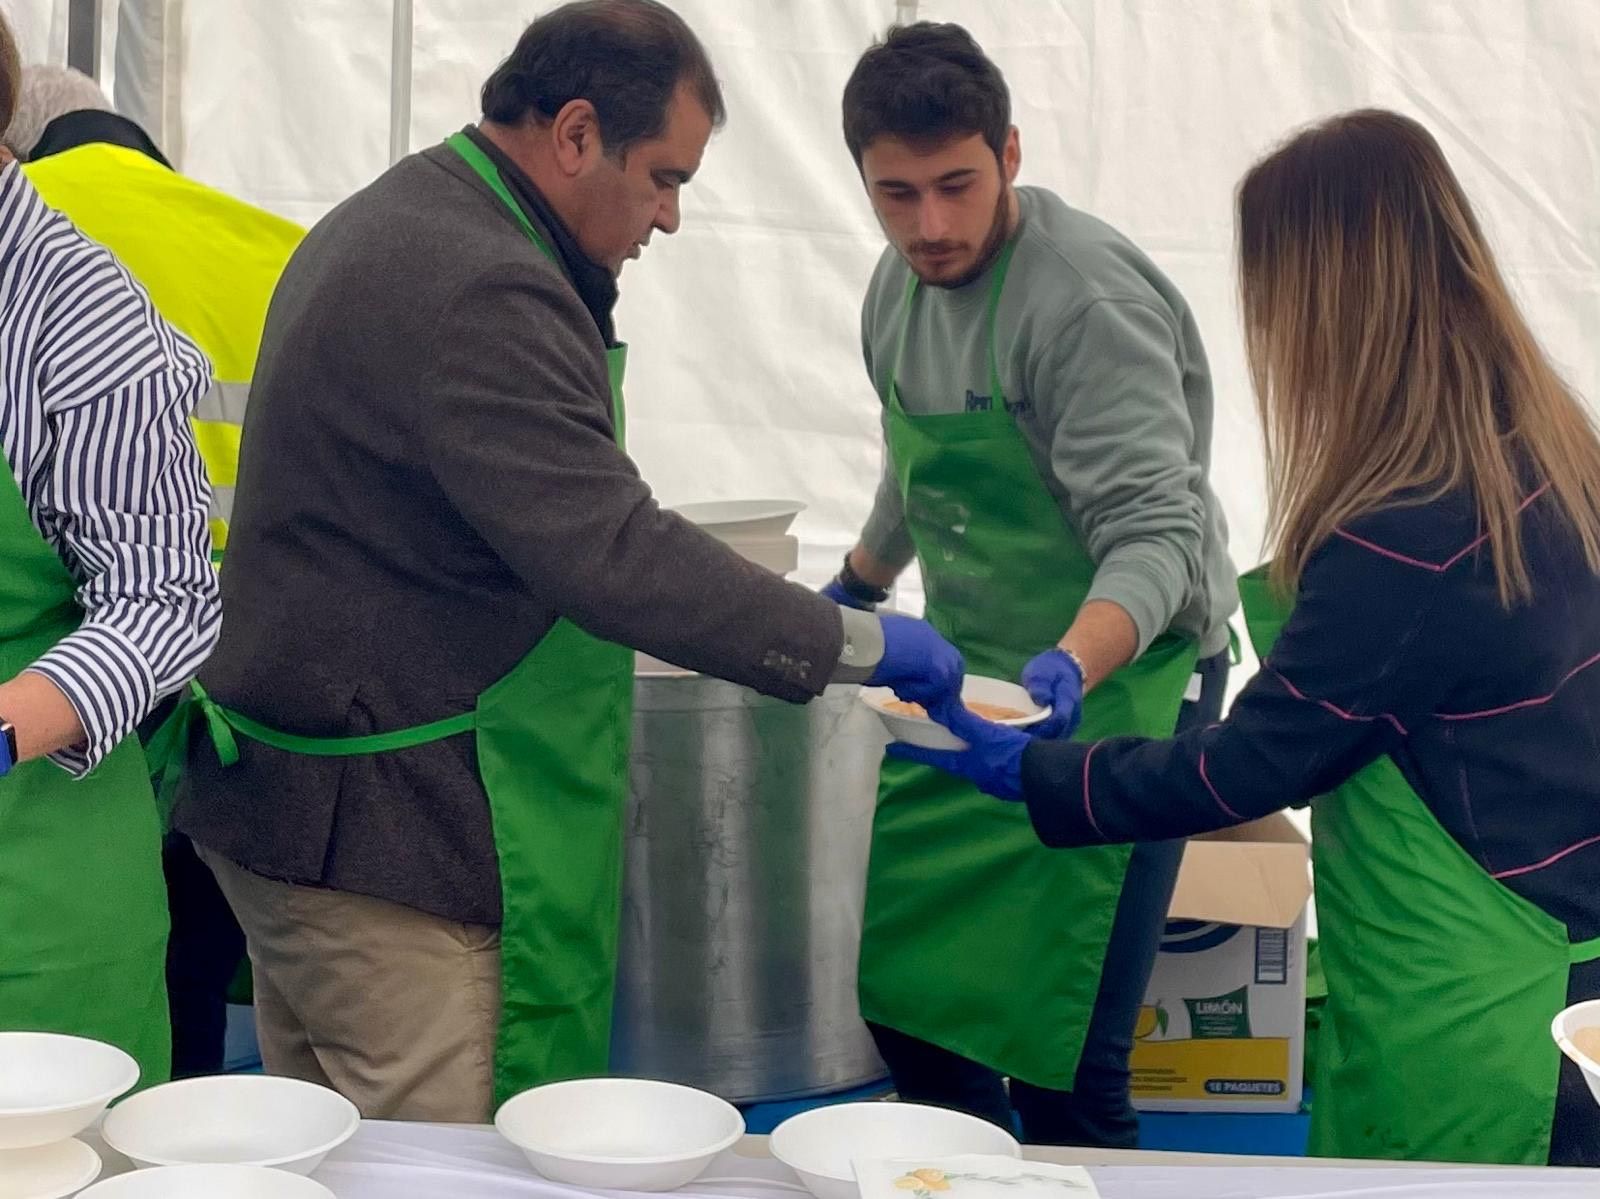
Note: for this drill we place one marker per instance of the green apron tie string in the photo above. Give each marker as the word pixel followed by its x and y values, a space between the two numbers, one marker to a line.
pixel 221 720
pixel 1584 951
pixel 216 725
pixel 222 724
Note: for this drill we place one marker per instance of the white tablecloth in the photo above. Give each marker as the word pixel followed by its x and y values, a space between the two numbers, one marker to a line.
pixel 421 1161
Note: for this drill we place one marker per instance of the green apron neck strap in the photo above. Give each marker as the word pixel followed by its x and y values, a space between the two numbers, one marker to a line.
pixel 472 154
pixel 996 286
pixel 997 283
pixel 890 398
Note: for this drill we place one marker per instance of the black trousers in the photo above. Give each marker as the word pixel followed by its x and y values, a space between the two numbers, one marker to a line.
pixel 204 952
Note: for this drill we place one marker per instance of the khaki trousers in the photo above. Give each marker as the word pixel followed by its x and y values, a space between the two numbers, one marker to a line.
pixel 395 1009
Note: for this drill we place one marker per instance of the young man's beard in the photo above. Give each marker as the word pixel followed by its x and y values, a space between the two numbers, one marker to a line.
pixel 993 242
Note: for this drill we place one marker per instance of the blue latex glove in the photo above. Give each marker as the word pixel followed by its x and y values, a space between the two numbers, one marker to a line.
pixel 992 759
pixel 918 664
pixel 835 591
pixel 1054 681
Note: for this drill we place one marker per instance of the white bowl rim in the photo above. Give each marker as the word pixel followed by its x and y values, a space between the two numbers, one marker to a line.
pixel 113 1182
pixel 590 1159
pixel 82 1155
pixel 818 1113
pixel 1583 1061
pixel 876 697
pixel 128 1063
pixel 353 1122
pixel 757 510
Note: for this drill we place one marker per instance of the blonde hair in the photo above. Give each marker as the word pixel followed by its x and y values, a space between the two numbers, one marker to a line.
pixel 1390 363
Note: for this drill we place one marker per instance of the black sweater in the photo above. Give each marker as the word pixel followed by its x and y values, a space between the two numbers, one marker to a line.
pixel 1398 644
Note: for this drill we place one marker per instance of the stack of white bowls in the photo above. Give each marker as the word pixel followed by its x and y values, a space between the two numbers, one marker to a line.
pixel 234 1137
pixel 51 1089
pixel 757 529
pixel 237 1136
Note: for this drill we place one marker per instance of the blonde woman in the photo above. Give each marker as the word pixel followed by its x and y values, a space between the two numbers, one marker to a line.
pixel 1430 633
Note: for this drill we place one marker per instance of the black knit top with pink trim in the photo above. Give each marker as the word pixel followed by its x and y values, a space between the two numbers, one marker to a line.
pixel 1399 645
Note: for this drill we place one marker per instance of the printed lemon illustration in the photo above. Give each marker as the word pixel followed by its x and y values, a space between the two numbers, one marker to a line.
pixel 1151 1018
pixel 923 1181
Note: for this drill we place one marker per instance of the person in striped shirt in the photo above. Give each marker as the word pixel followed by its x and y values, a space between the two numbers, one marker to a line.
pixel 210 263
pixel 108 602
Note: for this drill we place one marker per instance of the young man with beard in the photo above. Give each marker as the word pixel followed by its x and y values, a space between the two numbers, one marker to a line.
pixel 1047 417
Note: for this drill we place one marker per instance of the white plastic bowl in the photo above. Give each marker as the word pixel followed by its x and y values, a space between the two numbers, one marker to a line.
pixel 1562 1028
pixel 928 733
pixel 619 1134
pixel 822 1145
pixel 239 1119
pixel 53 1087
pixel 747 520
pixel 780 555
pixel 47 1171
pixel 208 1182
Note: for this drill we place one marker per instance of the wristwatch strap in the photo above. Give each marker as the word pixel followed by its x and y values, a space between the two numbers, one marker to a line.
pixel 858 588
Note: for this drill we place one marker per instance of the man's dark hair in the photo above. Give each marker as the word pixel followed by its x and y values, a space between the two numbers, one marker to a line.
pixel 925 83
pixel 626 57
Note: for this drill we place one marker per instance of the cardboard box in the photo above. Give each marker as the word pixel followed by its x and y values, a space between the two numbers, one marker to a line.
pixel 1223 1026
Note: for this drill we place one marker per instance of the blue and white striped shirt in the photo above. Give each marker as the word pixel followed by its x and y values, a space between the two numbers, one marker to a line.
pixel 96 390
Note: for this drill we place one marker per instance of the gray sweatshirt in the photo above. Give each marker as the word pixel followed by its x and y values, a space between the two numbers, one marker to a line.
pixel 1103 369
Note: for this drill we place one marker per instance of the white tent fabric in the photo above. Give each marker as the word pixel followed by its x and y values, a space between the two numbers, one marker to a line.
pixel 40 27
pixel 746 378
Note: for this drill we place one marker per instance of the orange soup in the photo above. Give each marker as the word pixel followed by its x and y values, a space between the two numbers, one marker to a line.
pixel 1587 1041
pixel 988 711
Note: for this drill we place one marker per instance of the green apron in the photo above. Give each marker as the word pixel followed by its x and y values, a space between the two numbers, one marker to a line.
pixel 1442 982
pixel 977 937
pixel 552 740
pixel 83 908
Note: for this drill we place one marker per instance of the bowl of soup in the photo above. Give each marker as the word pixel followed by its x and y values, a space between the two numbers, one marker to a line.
pixel 993 699
pixel 1577 1031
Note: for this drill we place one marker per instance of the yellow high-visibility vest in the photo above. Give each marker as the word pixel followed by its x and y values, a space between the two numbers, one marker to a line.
pixel 209 262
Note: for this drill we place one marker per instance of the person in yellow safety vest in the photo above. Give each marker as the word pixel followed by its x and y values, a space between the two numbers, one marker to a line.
pixel 210 263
